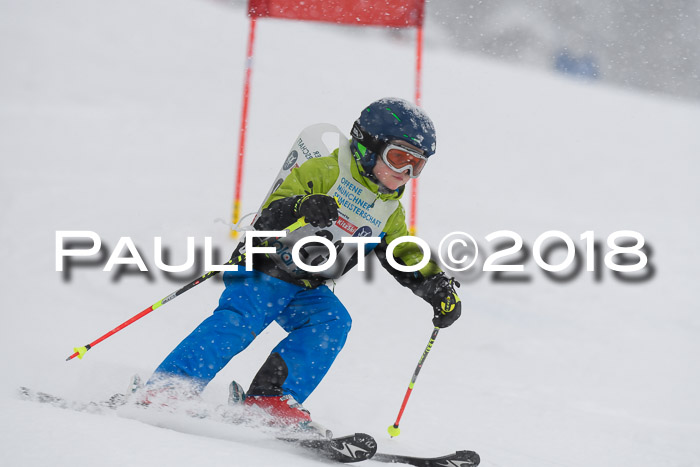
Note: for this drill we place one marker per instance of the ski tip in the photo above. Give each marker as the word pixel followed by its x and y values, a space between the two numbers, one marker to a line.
pixel 470 457
pixel 458 459
pixel 346 449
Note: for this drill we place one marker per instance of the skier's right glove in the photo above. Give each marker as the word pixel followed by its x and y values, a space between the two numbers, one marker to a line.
pixel 317 209
pixel 447 306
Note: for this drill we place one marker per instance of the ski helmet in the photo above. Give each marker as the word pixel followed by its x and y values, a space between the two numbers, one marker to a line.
pixel 386 120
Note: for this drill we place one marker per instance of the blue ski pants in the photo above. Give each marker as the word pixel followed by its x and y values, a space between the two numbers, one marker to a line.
pixel 316 322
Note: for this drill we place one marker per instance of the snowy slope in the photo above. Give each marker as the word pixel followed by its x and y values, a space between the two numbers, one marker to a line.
pixel 122 118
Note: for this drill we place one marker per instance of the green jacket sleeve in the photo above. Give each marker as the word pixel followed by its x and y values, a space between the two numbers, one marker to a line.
pixel 407 254
pixel 313 176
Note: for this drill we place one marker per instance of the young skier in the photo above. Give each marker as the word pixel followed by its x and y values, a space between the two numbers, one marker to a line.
pixel 355 191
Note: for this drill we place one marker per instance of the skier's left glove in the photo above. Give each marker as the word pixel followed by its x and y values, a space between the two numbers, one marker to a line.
pixel 447 307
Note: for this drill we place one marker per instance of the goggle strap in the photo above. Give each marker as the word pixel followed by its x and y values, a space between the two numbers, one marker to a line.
pixel 367 140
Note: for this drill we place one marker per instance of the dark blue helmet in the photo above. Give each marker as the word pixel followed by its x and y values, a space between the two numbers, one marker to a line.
pixel 386 120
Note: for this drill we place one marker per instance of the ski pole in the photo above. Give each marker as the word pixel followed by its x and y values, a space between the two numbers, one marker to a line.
pixel 80 351
pixel 394 429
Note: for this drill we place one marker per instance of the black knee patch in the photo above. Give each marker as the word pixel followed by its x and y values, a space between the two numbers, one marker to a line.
pixel 270 377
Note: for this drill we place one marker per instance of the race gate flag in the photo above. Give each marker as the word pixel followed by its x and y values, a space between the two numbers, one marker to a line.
pixel 392 13
pixel 385 13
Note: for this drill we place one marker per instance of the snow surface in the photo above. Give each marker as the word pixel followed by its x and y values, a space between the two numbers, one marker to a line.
pixel 122 118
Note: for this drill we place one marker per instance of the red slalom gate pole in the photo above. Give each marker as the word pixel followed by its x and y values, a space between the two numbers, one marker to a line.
pixel 394 429
pixel 419 63
pixel 412 227
pixel 244 127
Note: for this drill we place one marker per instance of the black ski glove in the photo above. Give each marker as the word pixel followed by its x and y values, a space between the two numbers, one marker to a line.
pixel 447 306
pixel 318 210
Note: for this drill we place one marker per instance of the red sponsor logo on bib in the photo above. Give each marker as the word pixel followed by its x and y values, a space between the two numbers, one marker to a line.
pixel 346 226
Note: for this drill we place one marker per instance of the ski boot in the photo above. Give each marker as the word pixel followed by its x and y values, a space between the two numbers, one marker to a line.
pixel 119 399
pixel 283 411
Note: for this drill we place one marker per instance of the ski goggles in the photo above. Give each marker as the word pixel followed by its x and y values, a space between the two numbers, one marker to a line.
pixel 399 158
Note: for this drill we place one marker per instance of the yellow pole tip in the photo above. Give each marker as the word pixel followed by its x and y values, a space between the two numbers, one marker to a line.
pixel 393 431
pixel 81 351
